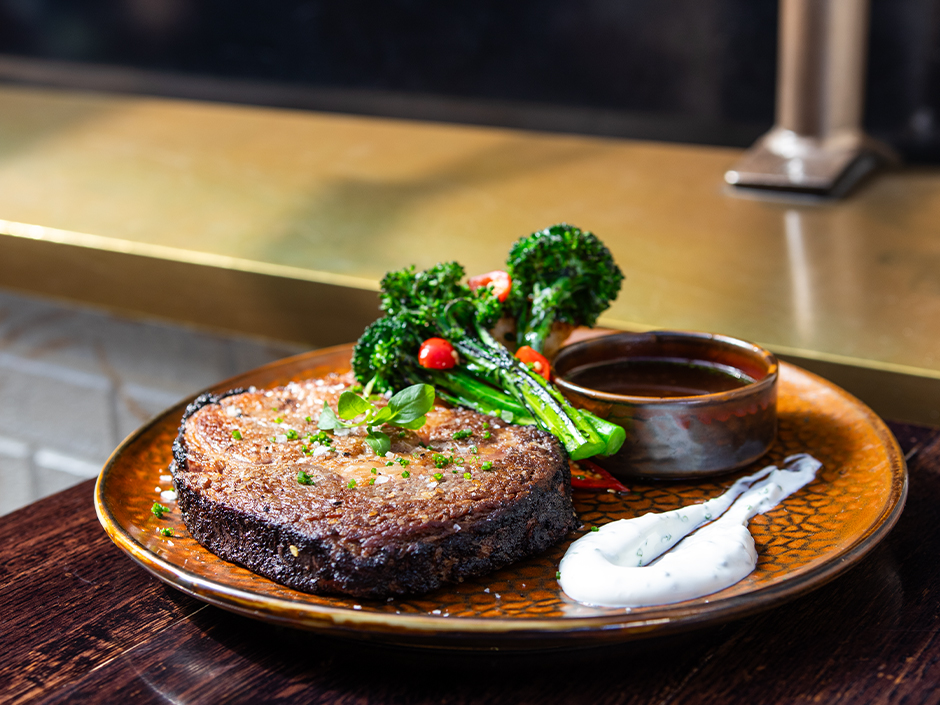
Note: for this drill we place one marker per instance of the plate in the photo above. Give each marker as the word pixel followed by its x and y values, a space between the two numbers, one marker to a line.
pixel 803 543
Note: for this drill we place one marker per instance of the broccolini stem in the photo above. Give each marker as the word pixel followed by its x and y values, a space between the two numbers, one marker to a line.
pixel 552 412
pixel 612 434
pixel 538 324
pixel 465 390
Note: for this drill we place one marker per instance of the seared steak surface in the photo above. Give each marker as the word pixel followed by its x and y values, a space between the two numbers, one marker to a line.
pixel 435 510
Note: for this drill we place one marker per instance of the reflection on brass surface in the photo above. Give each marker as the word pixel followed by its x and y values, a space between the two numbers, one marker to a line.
pixel 344 199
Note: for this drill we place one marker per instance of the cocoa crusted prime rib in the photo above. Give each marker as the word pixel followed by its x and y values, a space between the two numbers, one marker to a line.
pixel 431 512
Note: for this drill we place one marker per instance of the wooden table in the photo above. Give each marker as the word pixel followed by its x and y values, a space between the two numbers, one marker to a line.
pixel 82 622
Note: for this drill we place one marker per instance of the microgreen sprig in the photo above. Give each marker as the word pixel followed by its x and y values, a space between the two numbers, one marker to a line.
pixel 406 409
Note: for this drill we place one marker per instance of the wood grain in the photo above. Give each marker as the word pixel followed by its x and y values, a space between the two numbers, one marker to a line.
pixel 81 622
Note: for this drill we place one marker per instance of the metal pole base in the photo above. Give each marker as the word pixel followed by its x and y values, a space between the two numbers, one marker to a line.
pixel 785 161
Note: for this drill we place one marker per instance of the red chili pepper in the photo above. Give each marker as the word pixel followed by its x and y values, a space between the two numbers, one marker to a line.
pixel 437 354
pixel 538 361
pixel 588 475
pixel 498 280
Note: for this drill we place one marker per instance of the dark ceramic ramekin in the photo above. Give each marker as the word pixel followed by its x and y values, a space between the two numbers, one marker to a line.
pixel 680 437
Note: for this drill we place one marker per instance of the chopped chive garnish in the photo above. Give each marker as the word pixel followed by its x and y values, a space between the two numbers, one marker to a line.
pixel 557 575
pixel 291 434
pixel 305 479
pixel 388 463
pixel 488 465
pixel 441 460
pixel 352 484
pixel 375 471
pixel 278 420
pixel 166 532
pixel 406 474
pixel 474 450
pixel 304 449
pixel 438 476
pixel 158 510
pixel 320 437
pixel 487 435
pixel 467 476
pixel 237 435
pixel 308 419
pixel 461 434
pixel 402 434
pixel 486 424
pixel 372 481
pixel 595 528
pixel 404 462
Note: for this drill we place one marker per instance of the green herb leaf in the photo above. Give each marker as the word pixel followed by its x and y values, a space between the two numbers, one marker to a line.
pixel 379 442
pixel 461 434
pixel 412 425
pixel 384 415
pixel 328 420
pixel 237 435
pixel 352 405
pixel 158 510
pixel 305 479
pixel 412 403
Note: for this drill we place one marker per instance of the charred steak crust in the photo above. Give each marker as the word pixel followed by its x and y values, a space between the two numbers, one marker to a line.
pixel 242 499
pixel 179 453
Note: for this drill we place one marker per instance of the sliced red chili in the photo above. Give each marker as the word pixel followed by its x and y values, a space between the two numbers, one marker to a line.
pixel 498 280
pixel 437 354
pixel 588 475
pixel 538 361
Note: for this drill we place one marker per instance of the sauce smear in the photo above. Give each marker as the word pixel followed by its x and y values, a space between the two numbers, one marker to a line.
pixel 649 561
pixel 658 377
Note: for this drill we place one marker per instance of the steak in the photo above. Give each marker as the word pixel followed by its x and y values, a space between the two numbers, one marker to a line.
pixel 462 496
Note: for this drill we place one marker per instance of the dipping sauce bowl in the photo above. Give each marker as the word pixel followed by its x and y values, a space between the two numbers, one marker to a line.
pixel 692 404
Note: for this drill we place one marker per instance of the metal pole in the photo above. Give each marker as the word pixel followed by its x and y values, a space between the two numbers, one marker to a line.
pixel 817 144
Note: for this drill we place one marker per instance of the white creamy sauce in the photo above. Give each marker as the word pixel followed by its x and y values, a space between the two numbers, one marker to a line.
pixel 617 565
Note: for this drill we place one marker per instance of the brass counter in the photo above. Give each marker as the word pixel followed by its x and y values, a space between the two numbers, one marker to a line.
pixel 280 223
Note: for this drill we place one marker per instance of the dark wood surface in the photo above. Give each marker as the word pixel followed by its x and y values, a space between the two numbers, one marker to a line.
pixel 81 622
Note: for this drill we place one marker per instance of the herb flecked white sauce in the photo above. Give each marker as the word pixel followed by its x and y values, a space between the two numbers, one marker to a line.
pixel 614 566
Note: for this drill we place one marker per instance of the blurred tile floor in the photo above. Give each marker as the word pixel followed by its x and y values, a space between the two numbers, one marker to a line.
pixel 75 381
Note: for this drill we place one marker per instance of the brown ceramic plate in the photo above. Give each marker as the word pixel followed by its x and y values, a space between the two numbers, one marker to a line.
pixel 808 540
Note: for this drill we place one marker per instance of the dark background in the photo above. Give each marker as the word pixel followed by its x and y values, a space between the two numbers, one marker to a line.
pixel 681 70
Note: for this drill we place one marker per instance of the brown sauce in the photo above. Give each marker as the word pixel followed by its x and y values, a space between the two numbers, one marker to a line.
pixel 658 377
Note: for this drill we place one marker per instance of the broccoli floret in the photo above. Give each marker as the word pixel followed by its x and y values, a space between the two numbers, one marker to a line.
pixel 435 303
pixel 420 297
pixel 561 273
pixel 388 353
